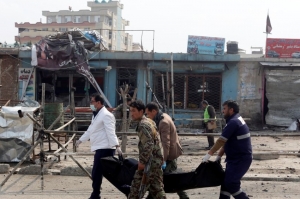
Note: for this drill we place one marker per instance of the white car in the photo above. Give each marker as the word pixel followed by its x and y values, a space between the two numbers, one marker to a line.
pixel 296 54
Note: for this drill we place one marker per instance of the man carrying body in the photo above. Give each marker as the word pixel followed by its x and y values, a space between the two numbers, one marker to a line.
pixel 149 146
pixel 169 139
pixel 235 141
pixel 104 141
pixel 209 120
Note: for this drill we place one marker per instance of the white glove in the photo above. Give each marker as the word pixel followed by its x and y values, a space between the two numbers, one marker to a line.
pixel 78 142
pixel 206 158
pixel 218 158
pixel 119 151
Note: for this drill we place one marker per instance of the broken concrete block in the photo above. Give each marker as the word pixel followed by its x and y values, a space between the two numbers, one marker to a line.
pixel 32 170
pixel 4 168
pixel 74 171
pixel 264 156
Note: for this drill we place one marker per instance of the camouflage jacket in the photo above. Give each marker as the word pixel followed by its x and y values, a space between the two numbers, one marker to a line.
pixel 149 143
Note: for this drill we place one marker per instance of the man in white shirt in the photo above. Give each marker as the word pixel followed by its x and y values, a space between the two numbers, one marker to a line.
pixel 102 136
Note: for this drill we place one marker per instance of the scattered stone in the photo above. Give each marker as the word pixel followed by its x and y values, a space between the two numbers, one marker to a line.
pixel 270 156
pixel 74 171
pixel 4 168
pixel 32 170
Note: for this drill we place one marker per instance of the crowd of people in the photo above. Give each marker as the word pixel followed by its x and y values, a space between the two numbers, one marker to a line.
pixel 159 146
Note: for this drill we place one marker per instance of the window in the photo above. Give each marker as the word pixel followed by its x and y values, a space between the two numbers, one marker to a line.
pixel 63 29
pixel 97 19
pixel 58 19
pixel 68 19
pixel 106 20
pixel 109 35
pixel 44 29
pixel 77 19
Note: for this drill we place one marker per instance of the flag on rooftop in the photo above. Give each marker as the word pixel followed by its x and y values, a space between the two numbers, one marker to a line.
pixel 268 26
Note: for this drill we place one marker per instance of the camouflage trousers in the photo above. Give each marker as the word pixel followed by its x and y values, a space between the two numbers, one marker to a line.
pixel 155 184
pixel 171 167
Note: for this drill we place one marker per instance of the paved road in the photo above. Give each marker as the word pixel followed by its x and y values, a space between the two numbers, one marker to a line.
pixel 71 187
pixel 281 170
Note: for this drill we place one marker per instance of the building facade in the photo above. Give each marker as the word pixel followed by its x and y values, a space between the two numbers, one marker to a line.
pixel 105 17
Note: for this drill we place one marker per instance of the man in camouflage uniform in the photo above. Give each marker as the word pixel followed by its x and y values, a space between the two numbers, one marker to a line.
pixel 149 146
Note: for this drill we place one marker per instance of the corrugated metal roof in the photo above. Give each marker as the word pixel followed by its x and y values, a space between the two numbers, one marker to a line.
pixel 281 64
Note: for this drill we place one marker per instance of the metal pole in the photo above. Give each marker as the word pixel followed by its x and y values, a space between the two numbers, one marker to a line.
pixel 163 91
pixel 172 85
pixel 168 91
pixel 41 135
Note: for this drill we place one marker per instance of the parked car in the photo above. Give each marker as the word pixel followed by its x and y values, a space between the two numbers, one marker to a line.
pixel 296 54
pixel 272 53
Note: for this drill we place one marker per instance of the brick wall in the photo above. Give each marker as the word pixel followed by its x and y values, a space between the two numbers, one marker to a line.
pixel 9 69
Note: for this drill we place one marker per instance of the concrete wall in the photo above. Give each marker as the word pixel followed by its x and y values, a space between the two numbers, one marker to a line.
pixel 250 91
pixel 229 83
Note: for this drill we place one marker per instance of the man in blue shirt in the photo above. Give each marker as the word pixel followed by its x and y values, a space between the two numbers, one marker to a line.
pixel 235 142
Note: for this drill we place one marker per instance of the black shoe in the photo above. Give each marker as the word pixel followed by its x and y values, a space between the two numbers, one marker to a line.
pixel 208 148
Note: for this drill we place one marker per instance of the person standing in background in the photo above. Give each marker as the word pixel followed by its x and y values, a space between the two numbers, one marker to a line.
pixel 209 122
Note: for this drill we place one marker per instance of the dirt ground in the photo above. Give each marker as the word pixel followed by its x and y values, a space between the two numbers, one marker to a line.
pixel 277 178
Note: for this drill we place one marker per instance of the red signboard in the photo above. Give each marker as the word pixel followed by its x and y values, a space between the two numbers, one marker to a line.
pixel 283 48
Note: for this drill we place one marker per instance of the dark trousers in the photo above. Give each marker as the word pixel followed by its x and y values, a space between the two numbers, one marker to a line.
pixel 210 139
pixel 97 170
pixel 234 172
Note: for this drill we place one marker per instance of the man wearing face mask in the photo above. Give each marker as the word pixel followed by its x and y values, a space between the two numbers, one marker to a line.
pixel 102 136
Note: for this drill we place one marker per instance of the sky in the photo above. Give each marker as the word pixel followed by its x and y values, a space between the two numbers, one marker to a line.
pixel 243 21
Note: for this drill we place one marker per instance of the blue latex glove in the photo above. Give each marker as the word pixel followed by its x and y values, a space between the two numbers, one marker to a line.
pixel 163 167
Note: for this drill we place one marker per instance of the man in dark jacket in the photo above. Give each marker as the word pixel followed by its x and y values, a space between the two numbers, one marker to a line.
pixel 209 122
pixel 169 139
